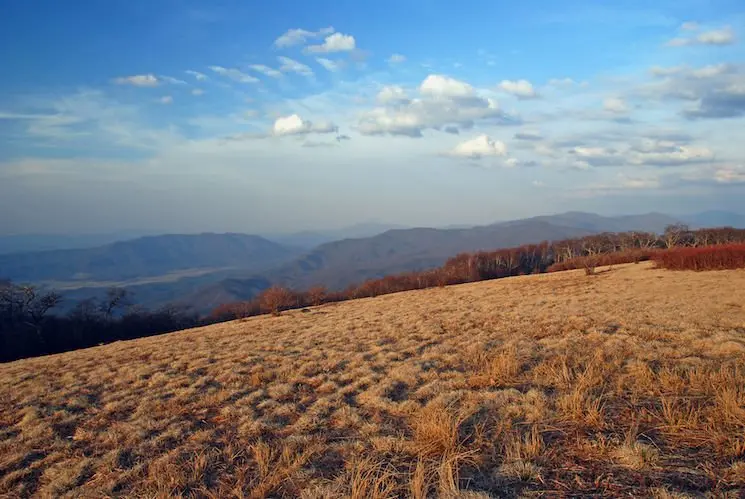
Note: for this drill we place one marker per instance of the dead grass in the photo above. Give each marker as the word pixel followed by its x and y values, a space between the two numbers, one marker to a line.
pixel 630 382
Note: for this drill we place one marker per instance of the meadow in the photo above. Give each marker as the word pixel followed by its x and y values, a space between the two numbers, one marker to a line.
pixel 627 382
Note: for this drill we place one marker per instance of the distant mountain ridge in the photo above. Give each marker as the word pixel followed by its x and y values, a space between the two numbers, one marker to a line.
pixel 206 270
pixel 144 257
pixel 339 264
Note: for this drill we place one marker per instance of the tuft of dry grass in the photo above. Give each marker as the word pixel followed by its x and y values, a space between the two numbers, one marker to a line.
pixel 626 383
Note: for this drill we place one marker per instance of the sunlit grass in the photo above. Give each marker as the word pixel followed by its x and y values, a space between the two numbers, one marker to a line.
pixel 630 382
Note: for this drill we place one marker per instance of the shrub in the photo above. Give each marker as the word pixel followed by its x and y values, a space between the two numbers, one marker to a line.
pixel 275 299
pixel 617 258
pixel 726 256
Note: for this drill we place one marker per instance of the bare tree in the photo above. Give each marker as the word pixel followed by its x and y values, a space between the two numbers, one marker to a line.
pixel 674 235
pixel 115 298
pixel 275 299
pixel 317 295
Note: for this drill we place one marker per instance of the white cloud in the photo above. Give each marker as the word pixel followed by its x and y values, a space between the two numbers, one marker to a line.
pixel 328 64
pixel 234 74
pixel 295 125
pixel 479 147
pixel 266 70
pixel 615 105
pixel 730 175
pixel 292 66
pixel 197 92
pixel 337 42
pixel 669 153
pixel 522 89
pixel 148 80
pixel 689 26
pixel 396 59
pixel 663 72
pixel 166 99
pixel 561 82
pixel 445 104
pixel 723 36
pixel 196 74
pixel 443 86
pixel 392 94
pixel 172 80
pixel 711 71
pixel 294 37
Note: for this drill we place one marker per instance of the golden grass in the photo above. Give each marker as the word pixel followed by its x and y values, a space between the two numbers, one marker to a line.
pixel 630 382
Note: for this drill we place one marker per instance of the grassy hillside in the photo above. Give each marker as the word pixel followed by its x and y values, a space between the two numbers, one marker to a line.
pixel 629 382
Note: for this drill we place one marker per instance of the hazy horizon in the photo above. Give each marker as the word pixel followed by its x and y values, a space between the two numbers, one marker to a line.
pixel 181 116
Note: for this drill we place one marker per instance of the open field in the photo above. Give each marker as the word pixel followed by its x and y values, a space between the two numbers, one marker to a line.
pixel 628 382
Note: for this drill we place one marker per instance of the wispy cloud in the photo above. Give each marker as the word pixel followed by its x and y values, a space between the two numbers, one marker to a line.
pixel 196 74
pixel 234 74
pixel 146 80
pixel 396 59
pixel 294 37
pixel 723 36
pixel 266 70
pixel 288 65
pixel 328 64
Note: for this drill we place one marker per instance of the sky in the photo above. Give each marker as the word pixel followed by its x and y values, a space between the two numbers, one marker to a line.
pixel 252 116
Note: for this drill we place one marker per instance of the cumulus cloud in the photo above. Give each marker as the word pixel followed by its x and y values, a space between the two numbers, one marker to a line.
pixel 294 37
pixel 197 92
pixel 337 42
pixel 443 86
pixel 479 147
pixel 147 80
pixel 396 59
pixel 645 152
pixel 714 91
pixel 196 74
pixel 522 89
pixel 728 102
pixel 166 99
pixel 444 104
pixel 723 36
pixel 615 105
pixel 295 125
pixel 292 66
pixel 234 74
pixel 266 70
pixel 689 26
pixel 328 64
pixel 392 94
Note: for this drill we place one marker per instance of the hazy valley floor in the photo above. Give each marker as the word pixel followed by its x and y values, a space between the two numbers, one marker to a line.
pixel 631 381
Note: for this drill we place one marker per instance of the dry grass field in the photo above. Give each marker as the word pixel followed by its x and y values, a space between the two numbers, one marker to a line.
pixel 630 382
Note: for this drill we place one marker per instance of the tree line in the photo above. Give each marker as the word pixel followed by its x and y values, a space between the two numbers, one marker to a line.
pixel 584 252
pixel 29 325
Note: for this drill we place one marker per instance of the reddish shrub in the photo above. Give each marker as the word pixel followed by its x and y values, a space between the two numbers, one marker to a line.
pixel 276 299
pixel 617 258
pixel 726 256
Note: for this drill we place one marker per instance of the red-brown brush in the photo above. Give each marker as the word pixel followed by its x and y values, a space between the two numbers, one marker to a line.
pixel 722 257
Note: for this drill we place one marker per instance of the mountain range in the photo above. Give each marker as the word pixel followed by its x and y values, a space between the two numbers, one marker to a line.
pixel 339 264
pixel 204 270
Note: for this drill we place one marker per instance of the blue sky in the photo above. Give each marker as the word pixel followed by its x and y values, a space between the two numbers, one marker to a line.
pixel 180 115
